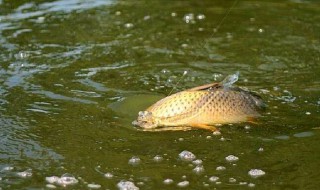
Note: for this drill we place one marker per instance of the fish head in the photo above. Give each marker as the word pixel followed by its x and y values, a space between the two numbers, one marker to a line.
pixel 145 120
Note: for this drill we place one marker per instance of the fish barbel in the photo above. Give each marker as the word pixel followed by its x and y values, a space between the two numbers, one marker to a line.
pixel 202 107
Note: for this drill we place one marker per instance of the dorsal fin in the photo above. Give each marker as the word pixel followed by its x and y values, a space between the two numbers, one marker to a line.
pixel 205 87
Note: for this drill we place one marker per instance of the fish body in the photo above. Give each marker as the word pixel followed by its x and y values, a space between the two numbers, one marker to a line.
pixel 202 107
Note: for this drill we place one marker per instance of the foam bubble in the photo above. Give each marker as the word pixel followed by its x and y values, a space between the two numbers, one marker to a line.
pixel 134 160
pixel 24 174
pixel 127 185
pixel 214 178
pixel 232 180
pixel 220 168
pixel 94 186
pixel 183 184
pixel 197 162
pixel 187 156
pixel 198 169
pixel 232 158
pixel 158 158
pixel 64 180
pixel 168 181
pixel 256 173
pixel 108 175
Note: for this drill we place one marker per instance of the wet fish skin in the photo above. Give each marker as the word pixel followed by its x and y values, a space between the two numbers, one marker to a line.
pixel 202 107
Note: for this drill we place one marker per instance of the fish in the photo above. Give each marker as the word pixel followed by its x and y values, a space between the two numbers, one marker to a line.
pixel 202 107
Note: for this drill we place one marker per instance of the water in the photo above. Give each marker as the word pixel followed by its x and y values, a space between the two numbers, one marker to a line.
pixel 75 74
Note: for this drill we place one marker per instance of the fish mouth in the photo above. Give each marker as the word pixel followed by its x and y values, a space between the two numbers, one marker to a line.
pixel 144 124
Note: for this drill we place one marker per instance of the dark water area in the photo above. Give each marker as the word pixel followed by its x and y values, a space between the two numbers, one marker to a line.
pixel 74 75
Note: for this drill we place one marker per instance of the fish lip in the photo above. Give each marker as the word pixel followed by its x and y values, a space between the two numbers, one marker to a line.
pixel 144 124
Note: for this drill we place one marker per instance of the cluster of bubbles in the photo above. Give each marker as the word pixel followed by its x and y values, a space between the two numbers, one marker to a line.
pixel 65 180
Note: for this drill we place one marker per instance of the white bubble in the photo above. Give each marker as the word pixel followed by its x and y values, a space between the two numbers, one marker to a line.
pixel 128 25
pixel 201 16
pixel 168 181
pixel 158 158
pixel 256 173
pixel 243 183
pixel 187 156
pixel 232 180
pixel 127 185
pixel 198 169
pixel 183 184
pixel 118 13
pixel 216 133
pixel 261 30
pixel 232 158
pixel 108 175
pixel 189 18
pixel 27 173
pixel 134 160
pixel 197 162
pixel 220 168
pixel 94 186
pixel 7 168
pixel 308 113
pixel 214 178
pixel 64 180
pixel 260 149
pixel 146 17
pixel 51 186
pixel 251 185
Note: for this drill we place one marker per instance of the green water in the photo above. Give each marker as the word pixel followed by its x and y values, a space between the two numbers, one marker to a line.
pixel 74 74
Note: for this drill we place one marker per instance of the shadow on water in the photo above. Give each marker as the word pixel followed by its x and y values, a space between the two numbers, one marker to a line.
pixel 75 74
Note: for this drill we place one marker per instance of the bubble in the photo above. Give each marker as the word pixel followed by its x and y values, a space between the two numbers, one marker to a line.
pixel 128 25
pixel 27 173
pixel 158 158
pixel 7 168
pixel 168 181
pixel 134 160
pixel 184 45
pixel 260 149
pixel 256 173
pixel 251 185
pixel 51 186
pixel 201 16
pixel 64 180
pixel 220 168
pixel 232 180
pixel 173 14
pixel 247 127
pixel 198 169
pixel 308 113
pixel 197 162
pixel 127 185
pixel 243 183
pixel 94 186
pixel 216 133
pixel 108 175
pixel 187 156
pixel 304 134
pixel 232 158
pixel 118 13
pixel 189 18
pixel 261 30
pixel 213 178
pixel 146 17
pixel 183 184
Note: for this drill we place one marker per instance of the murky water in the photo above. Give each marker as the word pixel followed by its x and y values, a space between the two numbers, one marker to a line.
pixel 74 74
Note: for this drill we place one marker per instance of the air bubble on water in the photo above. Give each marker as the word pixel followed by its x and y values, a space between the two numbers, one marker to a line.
pixel 261 30
pixel 147 17
pixel 135 160
pixel 247 127
pixel 173 14
pixel 127 185
pixel 200 29
pixel 197 162
pixel 189 18
pixel 222 139
pixel 40 19
pixel 94 186
pixel 24 174
pixel 208 137
pixel 201 16
pixel 198 169
pixel 64 180
pixel 220 168
pixel 128 25
pixel 232 158
pixel 7 168
pixel 51 186
pixel 251 185
pixel 187 156
pixel 218 182
pixel 183 184
pixel 216 133
pixel 185 72
pixel 243 183
pixel 304 134
pixel 181 139
pixel 168 181
pixel 232 180
pixel 158 158
pixel 256 173
pixel 108 175
pixel 213 178
pixel 308 113
pixel 260 149
pixel 184 45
